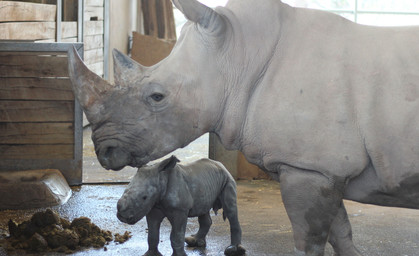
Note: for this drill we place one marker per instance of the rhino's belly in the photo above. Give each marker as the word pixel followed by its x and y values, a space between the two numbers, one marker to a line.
pixel 367 188
pixel 199 209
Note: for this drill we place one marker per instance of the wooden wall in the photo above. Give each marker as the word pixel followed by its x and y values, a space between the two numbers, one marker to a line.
pixel 93 35
pixel 38 114
pixel 35 20
pixel 37 24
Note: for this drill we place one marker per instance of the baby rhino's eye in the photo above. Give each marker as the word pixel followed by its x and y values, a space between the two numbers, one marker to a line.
pixel 144 197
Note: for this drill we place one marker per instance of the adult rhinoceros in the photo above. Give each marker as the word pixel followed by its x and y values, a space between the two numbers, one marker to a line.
pixel 328 107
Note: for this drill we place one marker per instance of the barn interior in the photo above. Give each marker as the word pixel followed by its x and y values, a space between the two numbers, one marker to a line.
pixel 47 159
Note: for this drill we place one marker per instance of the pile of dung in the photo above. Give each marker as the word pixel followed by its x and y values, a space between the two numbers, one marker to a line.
pixel 48 232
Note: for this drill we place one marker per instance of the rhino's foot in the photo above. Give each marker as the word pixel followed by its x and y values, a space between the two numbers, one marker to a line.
pixel 181 253
pixel 153 253
pixel 351 252
pixel 235 250
pixel 192 241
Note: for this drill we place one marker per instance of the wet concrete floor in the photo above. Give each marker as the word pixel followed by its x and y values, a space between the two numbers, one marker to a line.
pixel 378 231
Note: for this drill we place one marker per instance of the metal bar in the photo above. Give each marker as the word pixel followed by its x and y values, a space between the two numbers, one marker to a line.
pixel 106 27
pixel 59 19
pixel 370 12
pixel 38 47
pixel 80 21
pixel 78 133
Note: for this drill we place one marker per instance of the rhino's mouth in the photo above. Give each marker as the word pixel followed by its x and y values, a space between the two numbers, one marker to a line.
pixel 138 162
pixel 129 220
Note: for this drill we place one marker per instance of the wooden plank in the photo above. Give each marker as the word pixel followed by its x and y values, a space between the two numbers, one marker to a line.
pixel 36 30
pixel 93 3
pixel 68 29
pixel 93 56
pixel 70 8
pixel 36 111
pixel 93 28
pixel 60 151
pixel 35 89
pixel 21 11
pixel 36 133
pixel 63 40
pixel 93 42
pixel 27 30
pixel 150 17
pixel 69 40
pixel 93 13
pixel 33 66
pixel 170 32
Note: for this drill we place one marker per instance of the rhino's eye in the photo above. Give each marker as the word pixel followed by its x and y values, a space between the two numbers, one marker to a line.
pixel 144 197
pixel 157 96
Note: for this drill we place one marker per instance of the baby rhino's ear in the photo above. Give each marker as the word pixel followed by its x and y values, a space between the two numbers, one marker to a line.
pixel 168 164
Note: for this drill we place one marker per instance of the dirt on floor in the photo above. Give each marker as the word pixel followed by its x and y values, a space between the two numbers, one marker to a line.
pixel 47 231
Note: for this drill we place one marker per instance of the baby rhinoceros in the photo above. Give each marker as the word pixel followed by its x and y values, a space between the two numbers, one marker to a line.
pixel 176 191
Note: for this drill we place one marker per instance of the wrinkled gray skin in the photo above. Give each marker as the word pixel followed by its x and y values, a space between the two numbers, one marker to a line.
pixel 327 107
pixel 177 192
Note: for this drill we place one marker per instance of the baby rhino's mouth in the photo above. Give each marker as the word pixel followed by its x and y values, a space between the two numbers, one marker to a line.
pixel 129 220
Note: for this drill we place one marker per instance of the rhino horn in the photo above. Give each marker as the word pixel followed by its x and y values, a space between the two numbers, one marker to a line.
pixel 88 87
pixel 125 68
pixel 206 17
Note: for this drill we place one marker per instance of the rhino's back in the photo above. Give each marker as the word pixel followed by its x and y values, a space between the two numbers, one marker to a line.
pixel 206 180
pixel 336 95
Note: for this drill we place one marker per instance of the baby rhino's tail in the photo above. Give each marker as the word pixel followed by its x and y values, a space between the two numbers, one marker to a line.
pixel 227 200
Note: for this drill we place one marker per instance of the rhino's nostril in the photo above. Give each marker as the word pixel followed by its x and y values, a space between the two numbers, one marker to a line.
pixel 109 151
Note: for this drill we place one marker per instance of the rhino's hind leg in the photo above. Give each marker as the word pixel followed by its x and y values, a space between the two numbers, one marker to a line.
pixel 341 235
pixel 229 203
pixel 198 240
pixel 312 201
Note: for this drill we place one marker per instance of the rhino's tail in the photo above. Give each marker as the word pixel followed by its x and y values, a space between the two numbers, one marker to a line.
pixel 217 206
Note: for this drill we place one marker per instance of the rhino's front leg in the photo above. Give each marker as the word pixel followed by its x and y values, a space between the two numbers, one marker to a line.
pixel 312 201
pixel 341 235
pixel 178 220
pixel 154 219
pixel 198 240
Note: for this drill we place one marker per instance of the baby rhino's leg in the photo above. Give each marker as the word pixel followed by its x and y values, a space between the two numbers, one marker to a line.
pixel 229 201
pixel 198 240
pixel 178 220
pixel 154 219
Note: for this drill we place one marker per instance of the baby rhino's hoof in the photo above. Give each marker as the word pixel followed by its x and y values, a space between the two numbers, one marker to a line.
pixel 192 241
pixel 235 250
pixel 152 253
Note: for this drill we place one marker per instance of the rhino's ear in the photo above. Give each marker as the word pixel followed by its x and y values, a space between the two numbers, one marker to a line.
pixel 124 68
pixel 168 163
pixel 88 87
pixel 206 17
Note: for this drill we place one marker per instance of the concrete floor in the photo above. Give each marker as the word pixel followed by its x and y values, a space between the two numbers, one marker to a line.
pixel 378 231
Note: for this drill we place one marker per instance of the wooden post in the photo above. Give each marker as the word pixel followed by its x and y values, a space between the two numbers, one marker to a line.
pixel 159 19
